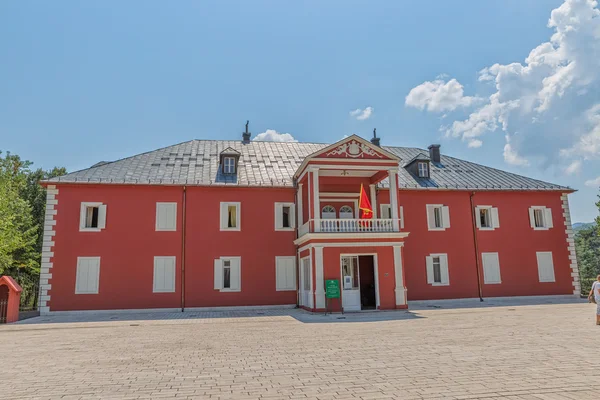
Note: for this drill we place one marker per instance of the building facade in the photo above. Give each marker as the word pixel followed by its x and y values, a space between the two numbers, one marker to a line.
pixel 212 224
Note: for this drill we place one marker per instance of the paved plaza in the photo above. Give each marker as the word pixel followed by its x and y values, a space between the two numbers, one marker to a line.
pixel 528 350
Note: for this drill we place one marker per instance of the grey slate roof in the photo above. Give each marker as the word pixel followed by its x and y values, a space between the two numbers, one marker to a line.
pixel 273 164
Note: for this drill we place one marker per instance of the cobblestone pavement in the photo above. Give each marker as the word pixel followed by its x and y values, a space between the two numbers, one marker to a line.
pixel 509 352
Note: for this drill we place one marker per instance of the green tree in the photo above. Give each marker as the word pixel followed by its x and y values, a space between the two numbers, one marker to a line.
pixel 587 245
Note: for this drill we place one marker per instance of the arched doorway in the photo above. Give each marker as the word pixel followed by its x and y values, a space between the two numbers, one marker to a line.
pixel 3 303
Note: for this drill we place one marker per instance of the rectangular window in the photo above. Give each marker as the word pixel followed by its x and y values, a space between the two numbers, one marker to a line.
pixel 487 217
pixel 540 218
pixel 229 165
pixel 230 216
pixel 92 217
pixel 423 170
pixel 350 272
pixel 437 269
pixel 227 274
pixel 164 274
pixel 88 275
pixel 284 216
pixel 386 211
pixel 285 273
pixel 438 217
pixel 491 268
pixel 545 266
pixel 166 216
pixel 306 273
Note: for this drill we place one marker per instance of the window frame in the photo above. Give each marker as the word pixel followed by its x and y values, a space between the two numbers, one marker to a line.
pixel 77 282
pixel 546 216
pixel 444 216
pixel 158 211
pixel 425 170
pixel 83 216
pixel 238 261
pixel 173 259
pixel 444 269
pixel 294 285
pixel 486 279
pixel 224 207
pixel 537 257
pixel 226 167
pixel 279 216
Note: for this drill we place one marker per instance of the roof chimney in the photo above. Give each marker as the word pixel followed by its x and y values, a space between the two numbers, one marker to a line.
pixel 375 140
pixel 434 153
pixel 246 135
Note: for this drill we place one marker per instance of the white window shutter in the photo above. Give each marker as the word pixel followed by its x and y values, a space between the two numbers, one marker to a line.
pixel 280 275
pixel 224 215
pixel 158 274
pixel 444 269
pixel 545 266
pixel 491 268
pixel 82 276
pixel 446 216
pixel 88 275
pixel 170 274
pixel 478 217
pixel 236 276
pixel 401 217
pixel 218 274
pixel 278 216
pixel 531 218
pixel 82 215
pixel 548 218
pixel 429 262
pixel 102 216
pixel 495 218
pixel 291 274
pixel 292 216
pixel 430 217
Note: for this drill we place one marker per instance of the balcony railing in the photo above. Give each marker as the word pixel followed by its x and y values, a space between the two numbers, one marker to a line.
pixel 347 225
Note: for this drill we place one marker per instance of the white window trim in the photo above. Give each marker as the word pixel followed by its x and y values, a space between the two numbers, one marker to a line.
pixel 279 215
pixel 82 216
pixel 419 163
pixel 485 278
pixel 537 257
pixel 429 222
pixel 157 228
pixel 445 255
pixel 545 212
pixel 225 205
pixel 225 158
pixel 494 218
pixel 290 289
pixel 79 259
pixel 239 260
pixel 168 290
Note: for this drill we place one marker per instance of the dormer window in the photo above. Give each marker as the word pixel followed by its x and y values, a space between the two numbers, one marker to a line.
pixel 423 169
pixel 228 165
pixel 228 160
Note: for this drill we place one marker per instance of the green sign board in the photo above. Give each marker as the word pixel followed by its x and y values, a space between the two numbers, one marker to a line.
pixel 332 289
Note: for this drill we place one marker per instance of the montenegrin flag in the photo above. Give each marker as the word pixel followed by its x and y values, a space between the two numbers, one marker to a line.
pixel 366 212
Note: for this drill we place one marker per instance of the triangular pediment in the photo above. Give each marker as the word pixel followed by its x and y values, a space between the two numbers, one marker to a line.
pixel 355 147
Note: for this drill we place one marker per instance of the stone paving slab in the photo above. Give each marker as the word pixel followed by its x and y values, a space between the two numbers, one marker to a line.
pixel 541 351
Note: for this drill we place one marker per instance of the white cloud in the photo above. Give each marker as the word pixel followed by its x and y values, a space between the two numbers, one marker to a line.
pixel 547 106
pixel 475 143
pixel 439 96
pixel 593 182
pixel 574 167
pixel 511 156
pixel 271 135
pixel 361 115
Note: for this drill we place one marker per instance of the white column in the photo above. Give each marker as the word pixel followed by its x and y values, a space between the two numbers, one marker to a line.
pixel 319 280
pixel 373 200
pixel 394 198
pixel 400 289
pixel 300 211
pixel 316 202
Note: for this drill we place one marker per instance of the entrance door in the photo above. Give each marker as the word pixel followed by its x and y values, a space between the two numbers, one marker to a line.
pixel 366 271
pixel 3 303
pixel 350 284
pixel 306 283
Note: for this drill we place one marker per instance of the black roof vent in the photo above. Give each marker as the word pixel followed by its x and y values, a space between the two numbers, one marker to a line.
pixel 246 135
pixel 434 153
pixel 375 140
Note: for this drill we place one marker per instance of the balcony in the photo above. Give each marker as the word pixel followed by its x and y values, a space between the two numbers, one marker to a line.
pixel 348 225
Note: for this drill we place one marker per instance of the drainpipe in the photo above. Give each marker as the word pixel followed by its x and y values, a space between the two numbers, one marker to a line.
pixel 475 242
pixel 183 227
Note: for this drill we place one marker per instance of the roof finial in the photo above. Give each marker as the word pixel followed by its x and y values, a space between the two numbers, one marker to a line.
pixel 375 140
pixel 374 133
pixel 247 122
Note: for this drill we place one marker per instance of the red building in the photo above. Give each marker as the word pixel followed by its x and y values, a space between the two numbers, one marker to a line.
pixel 206 224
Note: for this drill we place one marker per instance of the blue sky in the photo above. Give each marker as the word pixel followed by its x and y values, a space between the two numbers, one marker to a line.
pixel 82 82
